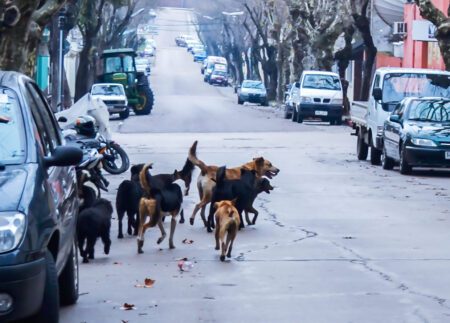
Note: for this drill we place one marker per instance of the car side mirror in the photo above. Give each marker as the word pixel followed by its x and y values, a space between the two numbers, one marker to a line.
pixel 297 85
pixel 395 118
pixel 62 119
pixel 377 94
pixel 64 156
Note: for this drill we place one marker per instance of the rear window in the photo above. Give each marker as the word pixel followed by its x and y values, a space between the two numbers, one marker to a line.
pixel 12 131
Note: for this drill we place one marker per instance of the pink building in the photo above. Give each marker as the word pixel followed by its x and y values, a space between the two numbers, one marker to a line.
pixel 420 48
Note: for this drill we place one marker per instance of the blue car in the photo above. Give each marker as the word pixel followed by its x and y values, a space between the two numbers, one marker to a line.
pixel 199 56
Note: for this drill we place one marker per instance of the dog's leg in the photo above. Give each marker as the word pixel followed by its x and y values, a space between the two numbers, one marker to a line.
pixel 81 240
pixel 230 239
pixel 217 233
pixel 246 211
pixel 106 242
pixel 173 224
pixel 256 213
pixel 136 221
pixel 120 215
pixel 182 216
pixel 130 223
pixel 200 205
pixel 163 232
pixel 241 225
pixel 142 226
pixel 90 247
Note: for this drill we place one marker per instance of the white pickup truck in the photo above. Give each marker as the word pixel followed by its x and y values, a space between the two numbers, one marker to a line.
pixel 389 87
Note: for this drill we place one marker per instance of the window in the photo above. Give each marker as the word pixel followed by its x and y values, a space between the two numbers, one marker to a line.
pixel 321 82
pixel 12 131
pixel 429 111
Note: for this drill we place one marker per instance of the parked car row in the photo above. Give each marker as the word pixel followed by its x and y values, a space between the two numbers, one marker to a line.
pixel 406 121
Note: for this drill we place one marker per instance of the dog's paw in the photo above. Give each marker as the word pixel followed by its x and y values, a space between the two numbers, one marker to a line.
pixel 222 258
pixel 182 220
pixel 160 239
pixel 140 251
pixel 85 261
pixel 191 221
pixel 217 248
pixel 120 236
pixel 209 229
pixel 229 255
pixel 172 246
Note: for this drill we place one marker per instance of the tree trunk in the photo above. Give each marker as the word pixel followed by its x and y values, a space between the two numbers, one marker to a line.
pixel 85 68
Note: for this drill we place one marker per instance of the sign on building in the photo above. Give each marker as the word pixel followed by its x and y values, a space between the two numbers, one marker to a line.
pixel 423 30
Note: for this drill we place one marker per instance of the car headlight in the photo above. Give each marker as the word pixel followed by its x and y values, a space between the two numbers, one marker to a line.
pixel 337 101
pixel 423 142
pixel 305 99
pixel 12 228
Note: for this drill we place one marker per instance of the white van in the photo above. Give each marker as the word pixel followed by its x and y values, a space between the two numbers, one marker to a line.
pixel 320 97
pixel 208 65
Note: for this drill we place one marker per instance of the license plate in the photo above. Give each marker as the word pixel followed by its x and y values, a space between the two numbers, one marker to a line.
pixel 321 113
pixel 447 155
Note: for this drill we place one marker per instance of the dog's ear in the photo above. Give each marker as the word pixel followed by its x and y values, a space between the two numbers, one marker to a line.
pixel 234 201
pixel 259 161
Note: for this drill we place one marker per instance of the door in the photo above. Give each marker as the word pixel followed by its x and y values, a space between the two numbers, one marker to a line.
pixel 392 133
pixel 372 120
pixel 61 181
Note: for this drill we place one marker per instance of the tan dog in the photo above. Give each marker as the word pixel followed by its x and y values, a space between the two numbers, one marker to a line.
pixel 148 208
pixel 205 182
pixel 227 222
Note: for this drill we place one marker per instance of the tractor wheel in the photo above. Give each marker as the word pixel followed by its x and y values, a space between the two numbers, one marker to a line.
pixel 146 94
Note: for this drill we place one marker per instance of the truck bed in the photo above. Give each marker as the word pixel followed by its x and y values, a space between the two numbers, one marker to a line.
pixel 358 112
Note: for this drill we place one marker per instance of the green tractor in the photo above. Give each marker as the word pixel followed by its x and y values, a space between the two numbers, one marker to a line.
pixel 119 67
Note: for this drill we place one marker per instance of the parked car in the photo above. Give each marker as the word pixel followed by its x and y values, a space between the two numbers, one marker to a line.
pixel 209 63
pixel 320 96
pixel 114 96
pixel 199 55
pixel 417 134
pixel 290 98
pixel 39 206
pixel 391 85
pixel 253 92
pixel 219 75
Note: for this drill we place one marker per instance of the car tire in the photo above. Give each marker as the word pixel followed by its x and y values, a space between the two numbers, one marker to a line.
pixel 240 102
pixel 387 162
pixel 299 118
pixel 405 168
pixel 375 156
pixel 362 149
pixel 338 121
pixel 149 101
pixel 124 114
pixel 49 311
pixel 332 122
pixel 265 104
pixel 68 280
pixel 286 113
pixel 294 115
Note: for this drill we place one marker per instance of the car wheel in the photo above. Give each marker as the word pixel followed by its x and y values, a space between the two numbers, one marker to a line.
pixel 338 121
pixel 362 149
pixel 299 118
pixel 240 101
pixel 332 122
pixel 386 161
pixel 286 113
pixel 68 280
pixel 124 114
pixel 49 311
pixel 294 115
pixel 375 156
pixel 405 168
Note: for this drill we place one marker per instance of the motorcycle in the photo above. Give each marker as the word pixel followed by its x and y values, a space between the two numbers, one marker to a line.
pixel 88 121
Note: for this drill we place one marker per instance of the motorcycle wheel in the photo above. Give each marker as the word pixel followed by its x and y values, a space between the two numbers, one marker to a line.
pixel 119 163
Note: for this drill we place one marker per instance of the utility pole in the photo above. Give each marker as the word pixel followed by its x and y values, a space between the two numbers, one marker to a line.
pixel 61 26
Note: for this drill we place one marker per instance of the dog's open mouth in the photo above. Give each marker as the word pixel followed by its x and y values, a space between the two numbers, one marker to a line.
pixel 271 173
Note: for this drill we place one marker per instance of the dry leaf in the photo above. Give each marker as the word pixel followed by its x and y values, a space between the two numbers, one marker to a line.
pixel 184 259
pixel 127 307
pixel 188 241
pixel 123 321
pixel 148 283
pixel 117 263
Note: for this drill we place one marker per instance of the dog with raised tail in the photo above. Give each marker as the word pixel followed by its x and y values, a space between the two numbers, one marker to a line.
pixel 227 223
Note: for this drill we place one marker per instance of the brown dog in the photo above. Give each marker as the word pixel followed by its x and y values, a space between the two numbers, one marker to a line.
pixel 148 208
pixel 205 184
pixel 227 222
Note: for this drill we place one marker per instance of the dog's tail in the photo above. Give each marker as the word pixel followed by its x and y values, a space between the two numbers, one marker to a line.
pixel 143 178
pixel 229 226
pixel 193 158
pixel 220 175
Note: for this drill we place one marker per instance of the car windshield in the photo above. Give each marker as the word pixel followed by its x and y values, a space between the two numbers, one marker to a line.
pixel 398 86
pixel 253 85
pixel 119 65
pixel 12 133
pixel 429 110
pixel 107 90
pixel 321 82
pixel 141 61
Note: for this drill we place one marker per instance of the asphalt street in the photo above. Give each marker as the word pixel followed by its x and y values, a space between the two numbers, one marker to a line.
pixel 338 240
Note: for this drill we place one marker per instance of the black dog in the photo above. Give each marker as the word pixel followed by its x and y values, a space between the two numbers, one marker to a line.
pixel 168 199
pixel 262 185
pixel 94 222
pixel 241 190
pixel 128 196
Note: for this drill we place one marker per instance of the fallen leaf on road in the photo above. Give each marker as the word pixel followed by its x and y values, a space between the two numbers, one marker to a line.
pixel 128 307
pixel 180 259
pixel 123 321
pixel 117 263
pixel 148 283
pixel 187 241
